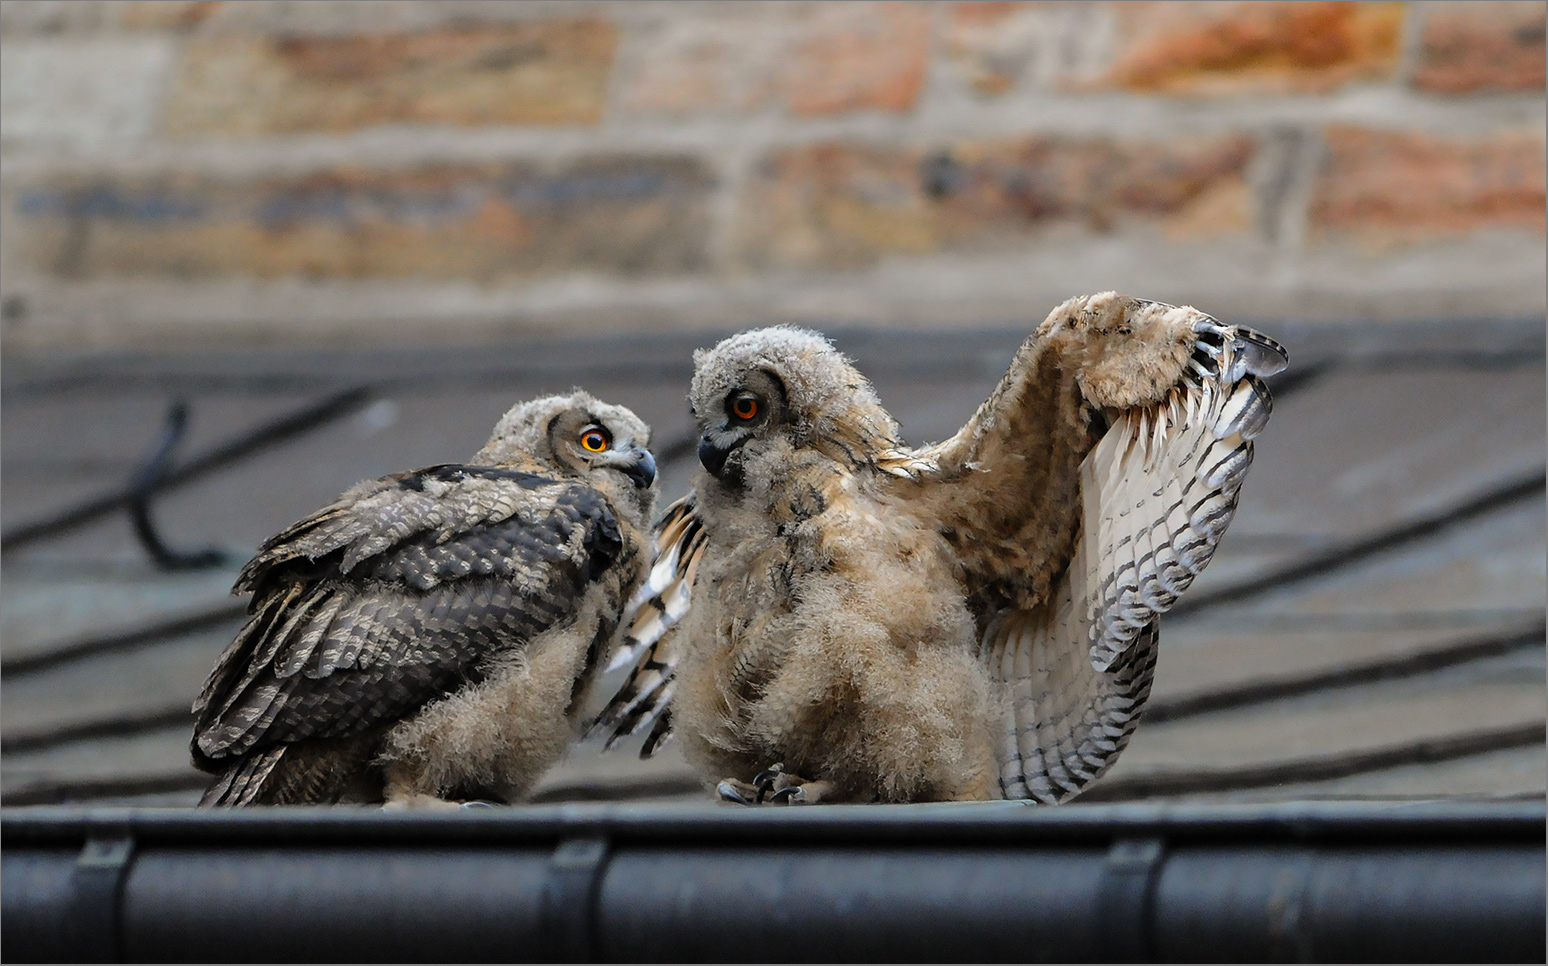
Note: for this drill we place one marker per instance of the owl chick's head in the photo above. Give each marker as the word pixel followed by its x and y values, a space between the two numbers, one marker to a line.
pixel 783 384
pixel 580 437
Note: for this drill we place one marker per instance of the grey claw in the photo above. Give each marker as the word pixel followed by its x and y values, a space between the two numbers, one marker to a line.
pixel 477 804
pixel 764 780
pixel 788 795
pixel 767 775
pixel 728 792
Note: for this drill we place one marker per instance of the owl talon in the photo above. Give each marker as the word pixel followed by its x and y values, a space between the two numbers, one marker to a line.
pixel 773 785
pixel 478 803
pixel 739 793
pixel 768 774
pixel 765 780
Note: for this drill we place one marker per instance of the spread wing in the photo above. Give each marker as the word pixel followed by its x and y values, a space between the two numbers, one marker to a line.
pixel 650 639
pixel 1078 523
pixel 394 596
pixel 1074 647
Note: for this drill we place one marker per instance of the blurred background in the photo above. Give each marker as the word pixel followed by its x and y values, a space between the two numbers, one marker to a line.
pixel 335 239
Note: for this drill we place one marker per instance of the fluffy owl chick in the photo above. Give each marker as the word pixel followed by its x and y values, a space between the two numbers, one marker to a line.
pixel 836 617
pixel 425 638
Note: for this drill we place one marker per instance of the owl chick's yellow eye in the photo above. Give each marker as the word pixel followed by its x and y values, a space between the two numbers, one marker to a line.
pixel 595 439
pixel 744 405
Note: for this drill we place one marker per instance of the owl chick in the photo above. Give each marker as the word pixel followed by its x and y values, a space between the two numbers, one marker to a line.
pixel 425 638
pixel 834 616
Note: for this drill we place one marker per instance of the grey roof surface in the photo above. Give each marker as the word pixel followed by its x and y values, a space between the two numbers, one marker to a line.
pixel 1372 627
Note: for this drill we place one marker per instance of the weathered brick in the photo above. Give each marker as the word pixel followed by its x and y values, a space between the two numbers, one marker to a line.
pixel 82 90
pixel 547 72
pixel 844 204
pixel 166 14
pixel 726 59
pixel 622 215
pixel 1389 186
pixel 1483 45
pixel 22 18
pixel 1249 46
pixel 1000 44
pixel 810 61
pixel 988 39
pixel 867 55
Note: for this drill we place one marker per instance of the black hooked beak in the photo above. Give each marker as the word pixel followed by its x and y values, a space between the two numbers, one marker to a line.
pixel 642 471
pixel 712 457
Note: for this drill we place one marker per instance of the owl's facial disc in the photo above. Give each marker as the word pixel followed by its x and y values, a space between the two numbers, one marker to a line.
pixel 747 411
pixel 584 442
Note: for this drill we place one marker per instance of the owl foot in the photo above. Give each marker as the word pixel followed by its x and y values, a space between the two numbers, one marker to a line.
pixel 402 799
pixel 415 801
pixel 738 793
pixel 774 786
pixel 430 802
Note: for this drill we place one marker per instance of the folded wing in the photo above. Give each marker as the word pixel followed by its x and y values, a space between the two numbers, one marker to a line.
pixel 394 596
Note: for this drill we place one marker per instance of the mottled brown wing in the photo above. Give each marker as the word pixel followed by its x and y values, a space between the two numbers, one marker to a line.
pixel 395 596
pixel 1156 494
pixel 650 639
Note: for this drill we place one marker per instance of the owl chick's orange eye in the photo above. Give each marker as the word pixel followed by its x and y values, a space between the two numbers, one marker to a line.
pixel 595 439
pixel 744 405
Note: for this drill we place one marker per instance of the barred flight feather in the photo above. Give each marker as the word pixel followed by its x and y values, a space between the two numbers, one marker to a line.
pixel 1157 494
pixel 648 642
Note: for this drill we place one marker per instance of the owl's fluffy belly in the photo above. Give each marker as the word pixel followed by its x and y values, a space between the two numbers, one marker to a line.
pixel 500 736
pixel 857 668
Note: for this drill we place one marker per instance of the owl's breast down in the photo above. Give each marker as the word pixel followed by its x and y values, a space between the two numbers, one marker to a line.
pixel 833 637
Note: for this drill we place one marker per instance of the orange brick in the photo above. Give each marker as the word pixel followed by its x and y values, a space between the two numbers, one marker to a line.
pixel 859 56
pixel 1392 186
pixel 166 14
pixel 1250 46
pixel 617 215
pixel 997 43
pixel 847 205
pixel 812 60
pixel 1483 45
pixel 726 59
pixel 992 12
pixel 552 72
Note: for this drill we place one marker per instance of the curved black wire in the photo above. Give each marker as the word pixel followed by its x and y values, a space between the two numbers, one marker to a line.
pixel 143 486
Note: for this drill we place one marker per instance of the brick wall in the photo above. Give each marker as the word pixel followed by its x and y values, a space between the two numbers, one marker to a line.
pixel 344 169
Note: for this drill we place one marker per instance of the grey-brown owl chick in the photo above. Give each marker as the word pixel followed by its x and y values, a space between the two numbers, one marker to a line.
pixel 834 616
pixel 426 637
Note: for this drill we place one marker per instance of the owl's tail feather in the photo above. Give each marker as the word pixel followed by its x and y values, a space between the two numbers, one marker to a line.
pixel 243 781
